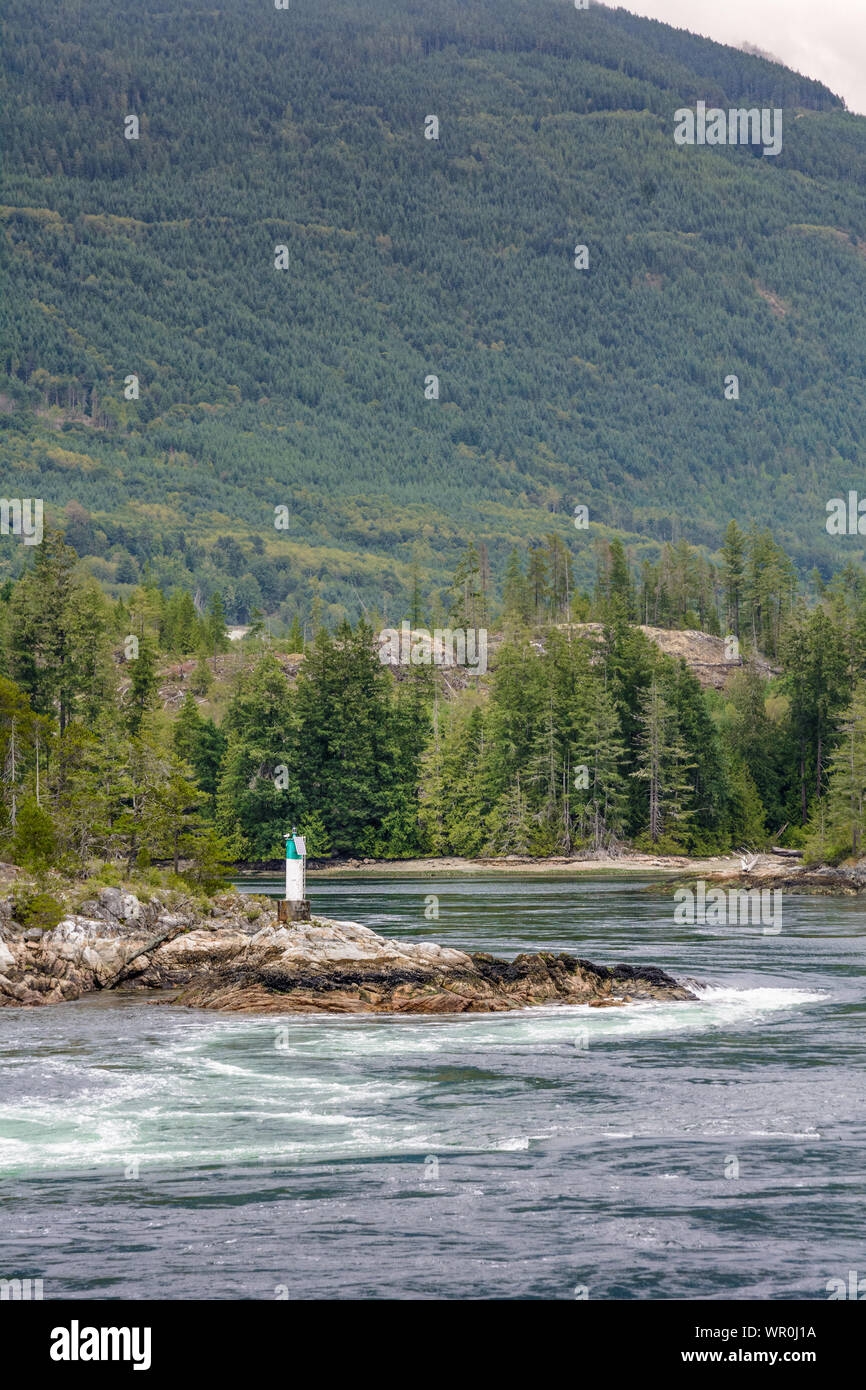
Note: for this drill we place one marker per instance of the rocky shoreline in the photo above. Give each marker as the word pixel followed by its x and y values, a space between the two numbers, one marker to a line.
pixel 765 871
pixel 235 956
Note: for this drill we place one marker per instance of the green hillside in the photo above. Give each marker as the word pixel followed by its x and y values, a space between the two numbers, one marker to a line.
pixel 407 257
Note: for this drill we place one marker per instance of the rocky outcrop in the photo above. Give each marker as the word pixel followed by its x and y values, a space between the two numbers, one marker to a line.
pixel 769 871
pixel 239 958
pixel 90 949
pixel 707 657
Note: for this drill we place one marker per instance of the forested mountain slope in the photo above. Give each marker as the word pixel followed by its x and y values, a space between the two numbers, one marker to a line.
pixel 409 257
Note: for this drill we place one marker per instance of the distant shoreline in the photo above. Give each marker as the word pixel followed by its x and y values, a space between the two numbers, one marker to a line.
pixel 760 871
pixel 632 863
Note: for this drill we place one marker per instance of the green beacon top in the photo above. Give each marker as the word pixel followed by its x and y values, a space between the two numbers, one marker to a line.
pixel 291 847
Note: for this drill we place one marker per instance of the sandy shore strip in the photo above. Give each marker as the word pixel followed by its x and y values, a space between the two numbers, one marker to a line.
pixel 634 864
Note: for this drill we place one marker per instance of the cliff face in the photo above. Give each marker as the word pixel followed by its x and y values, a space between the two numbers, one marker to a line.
pixel 705 655
pixel 240 959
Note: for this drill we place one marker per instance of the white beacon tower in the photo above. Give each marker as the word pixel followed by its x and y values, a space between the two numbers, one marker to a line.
pixel 295 907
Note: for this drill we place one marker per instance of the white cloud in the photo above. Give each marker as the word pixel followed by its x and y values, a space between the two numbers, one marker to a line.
pixel 825 39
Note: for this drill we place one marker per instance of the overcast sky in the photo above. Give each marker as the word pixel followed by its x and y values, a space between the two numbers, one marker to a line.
pixel 821 38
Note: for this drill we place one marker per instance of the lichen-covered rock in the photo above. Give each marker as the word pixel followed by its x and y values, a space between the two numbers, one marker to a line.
pixel 87 950
pixel 227 960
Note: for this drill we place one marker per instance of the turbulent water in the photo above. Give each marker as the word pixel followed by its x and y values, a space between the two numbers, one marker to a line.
pixel 689 1150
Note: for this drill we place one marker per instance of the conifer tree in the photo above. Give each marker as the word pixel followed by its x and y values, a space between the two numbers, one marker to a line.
pixel 662 765
pixel 838 821
pixel 516 601
pixel 200 744
pixel 180 628
pixel 94 672
pixel 296 636
pixel 143 685
pixel 216 637
pixel 42 652
pixel 560 577
pixel 256 800
pixel 511 822
pixel 34 842
pixel 538 580
pixel 818 681
pixel 600 797
pixel 466 598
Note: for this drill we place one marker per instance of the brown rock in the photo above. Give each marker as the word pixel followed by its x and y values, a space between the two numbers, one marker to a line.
pixel 228 961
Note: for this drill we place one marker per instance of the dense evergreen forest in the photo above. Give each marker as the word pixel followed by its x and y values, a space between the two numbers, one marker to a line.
pixel 271 356
pixel 283 449
pixel 582 736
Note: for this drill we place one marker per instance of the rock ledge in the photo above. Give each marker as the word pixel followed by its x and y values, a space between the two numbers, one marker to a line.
pixel 240 959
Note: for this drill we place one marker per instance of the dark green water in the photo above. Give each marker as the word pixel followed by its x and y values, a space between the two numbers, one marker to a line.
pixel 713 1149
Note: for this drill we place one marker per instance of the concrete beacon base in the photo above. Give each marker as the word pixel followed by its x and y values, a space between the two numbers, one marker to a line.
pixel 293 911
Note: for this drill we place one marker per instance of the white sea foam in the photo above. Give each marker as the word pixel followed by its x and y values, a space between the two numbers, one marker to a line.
pixel 759 997
pixel 215 1092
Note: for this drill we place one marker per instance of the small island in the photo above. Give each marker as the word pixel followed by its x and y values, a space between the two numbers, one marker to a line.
pixel 236 955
